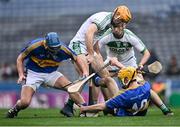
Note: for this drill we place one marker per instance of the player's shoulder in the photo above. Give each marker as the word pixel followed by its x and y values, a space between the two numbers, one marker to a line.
pixel 107 34
pixel 147 85
pixel 99 16
pixel 34 45
pixel 65 48
pixel 64 45
pixel 123 92
pixel 129 32
pixel 36 41
pixel 102 13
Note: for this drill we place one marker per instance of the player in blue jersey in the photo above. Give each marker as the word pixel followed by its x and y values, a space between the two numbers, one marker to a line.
pixel 41 58
pixel 132 100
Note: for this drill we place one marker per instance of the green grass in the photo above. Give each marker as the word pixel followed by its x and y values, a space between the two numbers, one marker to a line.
pixel 51 117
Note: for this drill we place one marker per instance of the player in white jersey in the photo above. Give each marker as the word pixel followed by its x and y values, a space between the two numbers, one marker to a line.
pixel 99 20
pixel 119 44
pixel 123 48
pixel 90 32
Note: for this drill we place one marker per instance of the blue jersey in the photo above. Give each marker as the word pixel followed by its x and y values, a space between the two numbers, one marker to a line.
pixel 39 59
pixel 131 102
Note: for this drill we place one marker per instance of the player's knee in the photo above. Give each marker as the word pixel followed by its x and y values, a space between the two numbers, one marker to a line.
pixel 108 79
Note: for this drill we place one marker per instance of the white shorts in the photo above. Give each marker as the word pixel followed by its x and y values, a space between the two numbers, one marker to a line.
pixel 35 79
pixel 78 47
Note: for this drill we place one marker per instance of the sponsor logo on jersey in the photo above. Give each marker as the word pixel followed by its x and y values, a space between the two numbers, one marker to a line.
pixel 119 47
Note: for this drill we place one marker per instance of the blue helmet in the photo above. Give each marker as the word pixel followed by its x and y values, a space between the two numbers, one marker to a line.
pixel 52 40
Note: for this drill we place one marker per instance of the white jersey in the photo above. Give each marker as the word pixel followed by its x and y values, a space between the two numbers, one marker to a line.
pixel 101 19
pixel 122 48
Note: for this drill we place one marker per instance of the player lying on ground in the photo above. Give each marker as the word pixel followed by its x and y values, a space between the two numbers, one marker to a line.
pixel 43 57
pixel 132 100
pixel 139 78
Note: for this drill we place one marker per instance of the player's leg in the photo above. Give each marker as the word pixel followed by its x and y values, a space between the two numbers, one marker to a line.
pixel 75 97
pixel 33 81
pixel 93 90
pixel 67 110
pixel 68 107
pixel 24 101
pixel 159 103
pixel 93 94
pixel 105 92
pixel 98 81
pixel 109 82
pixel 80 49
pixel 156 99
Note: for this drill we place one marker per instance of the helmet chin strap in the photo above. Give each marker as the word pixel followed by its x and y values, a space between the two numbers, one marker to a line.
pixel 132 80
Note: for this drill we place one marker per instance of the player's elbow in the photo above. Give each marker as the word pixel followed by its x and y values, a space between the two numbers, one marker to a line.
pixel 19 59
pixel 91 30
pixel 101 106
pixel 147 53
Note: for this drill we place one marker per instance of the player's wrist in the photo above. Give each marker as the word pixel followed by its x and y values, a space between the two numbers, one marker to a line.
pixel 141 65
pixel 140 68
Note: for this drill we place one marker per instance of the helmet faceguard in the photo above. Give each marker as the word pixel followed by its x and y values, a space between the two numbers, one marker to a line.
pixel 126 76
pixel 52 42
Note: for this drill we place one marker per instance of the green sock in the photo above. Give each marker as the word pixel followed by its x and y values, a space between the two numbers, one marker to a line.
pixel 164 108
pixel 70 102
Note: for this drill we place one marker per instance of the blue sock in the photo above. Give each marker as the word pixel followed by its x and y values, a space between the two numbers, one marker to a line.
pixel 97 80
pixel 84 104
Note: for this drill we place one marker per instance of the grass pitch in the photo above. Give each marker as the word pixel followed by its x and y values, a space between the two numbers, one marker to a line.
pixel 51 117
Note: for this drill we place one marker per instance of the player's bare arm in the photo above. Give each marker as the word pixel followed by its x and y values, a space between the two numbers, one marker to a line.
pixel 89 40
pixel 20 68
pixel 93 108
pixel 98 53
pixel 145 57
pixel 114 62
pixel 82 66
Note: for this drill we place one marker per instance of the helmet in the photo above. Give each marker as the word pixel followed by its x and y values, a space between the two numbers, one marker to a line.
pixel 127 75
pixel 122 13
pixel 52 41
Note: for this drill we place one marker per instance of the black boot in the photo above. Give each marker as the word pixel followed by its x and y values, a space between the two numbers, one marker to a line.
pixel 12 112
pixel 67 110
pixel 168 113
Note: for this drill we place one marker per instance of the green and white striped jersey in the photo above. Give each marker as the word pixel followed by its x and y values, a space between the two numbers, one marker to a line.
pixel 101 19
pixel 122 48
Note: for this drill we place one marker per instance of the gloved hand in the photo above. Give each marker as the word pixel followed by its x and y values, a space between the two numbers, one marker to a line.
pixel 140 68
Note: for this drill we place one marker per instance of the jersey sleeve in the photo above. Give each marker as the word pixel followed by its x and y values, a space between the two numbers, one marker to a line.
pixel 31 47
pixel 100 20
pixel 105 38
pixel 102 42
pixel 69 52
pixel 116 102
pixel 136 42
pixel 27 51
